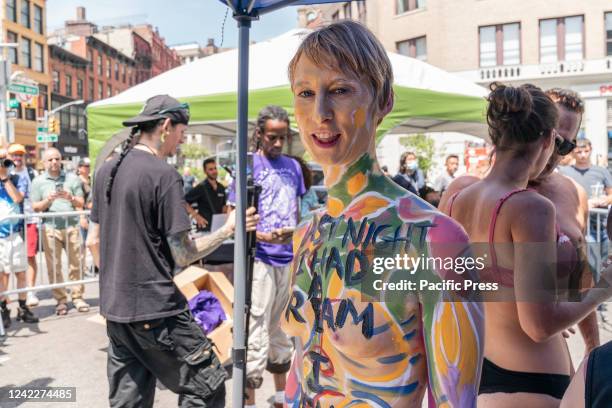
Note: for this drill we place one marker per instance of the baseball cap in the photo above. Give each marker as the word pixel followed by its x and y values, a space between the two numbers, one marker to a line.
pixel 16 148
pixel 161 107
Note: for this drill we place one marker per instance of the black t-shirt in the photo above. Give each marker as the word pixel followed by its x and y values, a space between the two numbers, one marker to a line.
pixel 136 265
pixel 205 196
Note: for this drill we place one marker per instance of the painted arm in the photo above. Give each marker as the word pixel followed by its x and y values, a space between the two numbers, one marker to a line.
pixel 453 330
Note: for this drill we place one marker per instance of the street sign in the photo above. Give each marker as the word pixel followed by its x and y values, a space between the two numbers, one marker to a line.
pixel 23 89
pixel 13 103
pixel 46 137
pixel 11 114
pixel 41 129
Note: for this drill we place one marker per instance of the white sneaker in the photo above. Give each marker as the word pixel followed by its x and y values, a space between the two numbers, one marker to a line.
pixel 31 299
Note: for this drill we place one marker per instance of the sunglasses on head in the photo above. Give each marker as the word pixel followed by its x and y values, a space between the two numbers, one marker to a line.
pixel 564 147
pixel 181 107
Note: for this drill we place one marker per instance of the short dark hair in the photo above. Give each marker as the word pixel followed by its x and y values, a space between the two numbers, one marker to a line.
pixel 208 161
pixel 567 98
pixel 451 156
pixel 584 142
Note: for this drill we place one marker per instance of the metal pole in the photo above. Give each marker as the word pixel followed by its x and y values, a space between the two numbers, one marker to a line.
pixel 46 126
pixel 4 77
pixel 240 250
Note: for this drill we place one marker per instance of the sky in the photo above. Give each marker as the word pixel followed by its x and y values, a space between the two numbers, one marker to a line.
pixel 179 21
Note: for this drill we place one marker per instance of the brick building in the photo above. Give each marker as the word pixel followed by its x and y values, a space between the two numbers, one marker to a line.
pixel 163 57
pixel 24 23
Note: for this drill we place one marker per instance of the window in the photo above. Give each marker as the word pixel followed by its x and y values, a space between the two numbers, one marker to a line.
pixel 13 52
pixel 90 59
pixel 30 114
pixel 68 85
pixel 561 39
pixel 608 18
pixel 25 13
pixel 409 5
pixel 79 84
pixel 38 19
pixel 26 53
pixel 90 89
pixel 56 82
pixel 108 68
pixel 100 90
pixel 11 10
pixel 39 57
pixel 347 11
pixel 116 70
pixel 415 48
pixel 109 91
pixel 124 69
pixel 100 65
pixel 500 45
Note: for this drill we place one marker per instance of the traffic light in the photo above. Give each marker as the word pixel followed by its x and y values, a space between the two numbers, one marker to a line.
pixel 54 125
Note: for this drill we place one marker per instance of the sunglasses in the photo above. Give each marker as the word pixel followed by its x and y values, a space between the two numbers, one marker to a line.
pixel 564 147
pixel 181 107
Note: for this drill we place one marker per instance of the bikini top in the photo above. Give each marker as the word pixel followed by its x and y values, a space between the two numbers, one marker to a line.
pixel 567 256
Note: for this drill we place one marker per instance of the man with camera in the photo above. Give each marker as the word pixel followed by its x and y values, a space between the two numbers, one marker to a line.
pixel 12 248
pixel 56 191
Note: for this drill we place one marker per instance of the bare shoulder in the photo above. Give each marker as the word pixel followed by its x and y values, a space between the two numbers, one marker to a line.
pixel 454 187
pixel 530 215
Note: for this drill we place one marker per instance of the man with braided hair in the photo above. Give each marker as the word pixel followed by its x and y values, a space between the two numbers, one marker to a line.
pixel 139 236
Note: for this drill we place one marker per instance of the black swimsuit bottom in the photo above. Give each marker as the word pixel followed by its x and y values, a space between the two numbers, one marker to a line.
pixel 497 379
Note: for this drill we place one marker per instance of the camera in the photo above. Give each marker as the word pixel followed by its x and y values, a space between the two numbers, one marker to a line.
pixel 6 163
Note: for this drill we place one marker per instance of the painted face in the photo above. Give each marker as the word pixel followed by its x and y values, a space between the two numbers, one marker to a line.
pixel 174 138
pixel 452 164
pixel 569 124
pixel 211 171
pixel 335 113
pixel 53 161
pixel 273 138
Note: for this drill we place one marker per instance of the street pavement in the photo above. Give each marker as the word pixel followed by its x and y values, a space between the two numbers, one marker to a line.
pixel 70 351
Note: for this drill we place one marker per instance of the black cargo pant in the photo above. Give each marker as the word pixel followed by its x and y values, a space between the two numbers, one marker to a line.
pixel 173 350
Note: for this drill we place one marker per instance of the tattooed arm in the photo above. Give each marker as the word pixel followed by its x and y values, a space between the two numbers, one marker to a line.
pixel 186 251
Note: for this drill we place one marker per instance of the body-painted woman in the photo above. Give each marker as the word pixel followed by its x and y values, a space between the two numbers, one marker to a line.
pixel 357 345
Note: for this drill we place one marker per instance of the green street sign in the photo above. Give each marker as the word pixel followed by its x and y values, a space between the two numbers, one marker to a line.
pixel 46 137
pixel 13 103
pixel 23 89
pixel 42 129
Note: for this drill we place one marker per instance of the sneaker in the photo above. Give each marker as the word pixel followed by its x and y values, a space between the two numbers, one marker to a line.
pixel 6 317
pixel 25 315
pixel 31 299
pixel 80 305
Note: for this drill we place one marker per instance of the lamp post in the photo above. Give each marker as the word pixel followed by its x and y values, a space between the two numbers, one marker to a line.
pixel 5 74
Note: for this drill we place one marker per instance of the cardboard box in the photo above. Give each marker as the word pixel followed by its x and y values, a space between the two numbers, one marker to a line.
pixel 194 279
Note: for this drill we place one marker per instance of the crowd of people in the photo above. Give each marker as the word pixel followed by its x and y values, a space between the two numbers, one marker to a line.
pixel 327 339
pixel 23 193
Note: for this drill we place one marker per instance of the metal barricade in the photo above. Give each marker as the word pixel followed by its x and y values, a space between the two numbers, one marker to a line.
pixel 601 214
pixel 60 244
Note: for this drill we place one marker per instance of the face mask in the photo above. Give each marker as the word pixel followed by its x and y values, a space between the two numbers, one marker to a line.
pixel 412 165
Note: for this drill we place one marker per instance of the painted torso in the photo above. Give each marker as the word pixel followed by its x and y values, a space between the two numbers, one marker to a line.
pixel 361 347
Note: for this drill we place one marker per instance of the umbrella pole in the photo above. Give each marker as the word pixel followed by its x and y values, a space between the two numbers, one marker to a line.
pixel 240 250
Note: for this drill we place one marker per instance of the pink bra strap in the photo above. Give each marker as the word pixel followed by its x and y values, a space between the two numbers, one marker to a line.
pixel 496 211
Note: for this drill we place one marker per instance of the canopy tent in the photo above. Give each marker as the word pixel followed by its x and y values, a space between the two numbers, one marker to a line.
pixel 427 99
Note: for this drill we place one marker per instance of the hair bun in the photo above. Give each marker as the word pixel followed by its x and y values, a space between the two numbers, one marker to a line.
pixel 508 100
